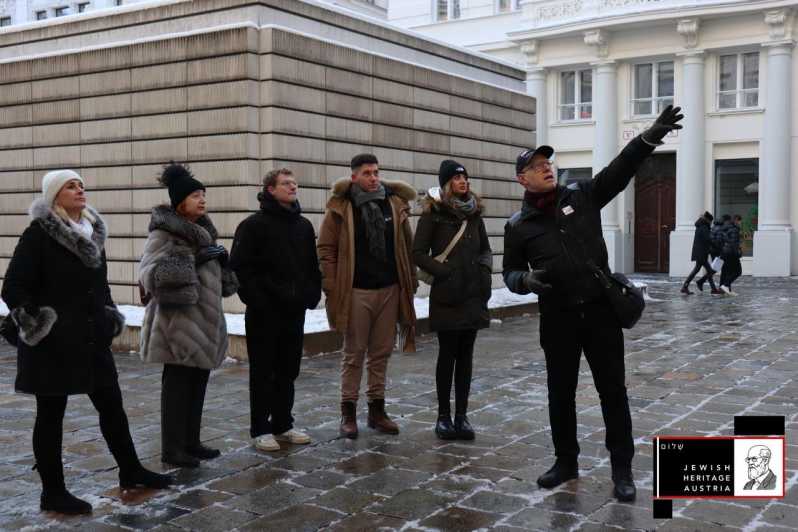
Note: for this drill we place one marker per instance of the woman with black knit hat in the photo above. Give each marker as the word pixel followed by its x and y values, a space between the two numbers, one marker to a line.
pixel 57 289
pixel 460 290
pixel 185 272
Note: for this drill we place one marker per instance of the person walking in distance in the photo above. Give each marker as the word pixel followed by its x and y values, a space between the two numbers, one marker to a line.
pixel 56 288
pixel 460 290
pixel 368 277
pixel 702 242
pixel 274 257
pixel 558 233
pixel 731 253
pixel 185 274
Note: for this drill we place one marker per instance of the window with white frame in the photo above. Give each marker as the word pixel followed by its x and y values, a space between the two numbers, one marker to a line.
pixel 738 81
pixel 447 10
pixel 61 11
pixel 82 7
pixel 576 95
pixel 5 21
pixel 41 15
pixel 652 87
pixel 505 6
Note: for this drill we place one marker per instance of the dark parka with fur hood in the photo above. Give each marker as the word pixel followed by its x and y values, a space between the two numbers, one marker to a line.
pixel 57 289
pixel 462 286
pixel 184 322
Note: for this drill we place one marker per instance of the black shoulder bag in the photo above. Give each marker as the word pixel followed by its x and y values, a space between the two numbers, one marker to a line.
pixel 626 299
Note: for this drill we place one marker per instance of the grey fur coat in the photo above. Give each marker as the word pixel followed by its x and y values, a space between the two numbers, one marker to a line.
pixel 184 323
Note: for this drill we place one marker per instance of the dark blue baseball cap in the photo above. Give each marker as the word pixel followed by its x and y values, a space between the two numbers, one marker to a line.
pixel 525 157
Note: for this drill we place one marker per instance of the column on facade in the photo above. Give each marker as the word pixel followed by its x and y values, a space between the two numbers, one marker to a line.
pixel 536 87
pixel 605 149
pixel 773 238
pixel 690 164
pixel 21 12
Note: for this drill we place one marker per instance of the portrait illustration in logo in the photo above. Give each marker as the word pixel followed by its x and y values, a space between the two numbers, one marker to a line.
pixel 759 473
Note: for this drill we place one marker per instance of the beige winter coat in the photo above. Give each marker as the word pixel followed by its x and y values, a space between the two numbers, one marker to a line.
pixel 184 323
pixel 336 246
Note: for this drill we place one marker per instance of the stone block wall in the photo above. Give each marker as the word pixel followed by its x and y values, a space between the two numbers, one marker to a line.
pixel 234 103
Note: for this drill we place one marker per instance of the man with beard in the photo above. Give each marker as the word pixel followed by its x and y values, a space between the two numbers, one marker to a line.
pixel 759 473
pixel 558 233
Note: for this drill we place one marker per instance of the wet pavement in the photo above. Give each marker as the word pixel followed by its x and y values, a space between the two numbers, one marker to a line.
pixel 692 364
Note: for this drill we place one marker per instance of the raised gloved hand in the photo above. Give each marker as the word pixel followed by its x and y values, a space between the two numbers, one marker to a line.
pixel 535 281
pixel 210 253
pixel 666 122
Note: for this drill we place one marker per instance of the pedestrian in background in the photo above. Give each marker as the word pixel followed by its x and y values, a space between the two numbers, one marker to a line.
pixel 715 247
pixel 458 301
pixel 57 290
pixel 368 275
pixel 274 257
pixel 186 274
pixel 731 253
pixel 700 255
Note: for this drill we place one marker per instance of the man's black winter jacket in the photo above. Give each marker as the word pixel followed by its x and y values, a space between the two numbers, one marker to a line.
pixel 274 257
pixel 564 244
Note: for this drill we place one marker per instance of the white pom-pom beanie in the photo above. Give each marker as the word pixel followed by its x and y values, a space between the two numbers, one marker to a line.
pixel 53 181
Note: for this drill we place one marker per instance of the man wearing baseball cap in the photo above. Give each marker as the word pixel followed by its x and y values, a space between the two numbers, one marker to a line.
pixel 558 234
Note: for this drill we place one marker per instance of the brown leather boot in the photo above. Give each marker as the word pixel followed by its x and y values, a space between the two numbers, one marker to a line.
pixel 348 420
pixel 379 420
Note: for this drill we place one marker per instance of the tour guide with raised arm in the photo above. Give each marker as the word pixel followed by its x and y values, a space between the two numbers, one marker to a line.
pixel 550 248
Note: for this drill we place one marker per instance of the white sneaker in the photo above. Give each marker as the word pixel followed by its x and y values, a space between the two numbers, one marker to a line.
pixel 266 442
pixel 293 436
pixel 727 290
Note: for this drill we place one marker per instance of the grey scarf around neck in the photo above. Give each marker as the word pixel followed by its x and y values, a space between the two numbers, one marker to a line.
pixel 372 216
pixel 462 208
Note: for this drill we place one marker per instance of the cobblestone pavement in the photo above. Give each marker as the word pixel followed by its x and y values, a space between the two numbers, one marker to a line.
pixel 692 363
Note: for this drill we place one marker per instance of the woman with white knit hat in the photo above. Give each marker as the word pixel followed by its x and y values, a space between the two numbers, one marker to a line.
pixel 57 289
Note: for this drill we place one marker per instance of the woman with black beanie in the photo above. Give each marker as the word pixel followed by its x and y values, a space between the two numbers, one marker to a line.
pixel 460 290
pixel 57 289
pixel 186 274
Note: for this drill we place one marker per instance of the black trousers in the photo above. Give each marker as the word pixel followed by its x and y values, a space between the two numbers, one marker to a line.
pixel 564 335
pixel 455 359
pixel 708 273
pixel 182 400
pixel 274 348
pixel 48 433
pixel 732 269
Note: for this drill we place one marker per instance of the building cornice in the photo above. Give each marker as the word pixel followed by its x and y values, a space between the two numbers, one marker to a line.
pixel 617 21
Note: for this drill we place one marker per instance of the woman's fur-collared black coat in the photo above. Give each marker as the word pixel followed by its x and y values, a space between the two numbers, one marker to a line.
pixel 462 286
pixel 57 290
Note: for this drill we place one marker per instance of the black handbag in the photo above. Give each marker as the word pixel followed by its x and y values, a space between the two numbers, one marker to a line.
pixel 9 330
pixel 625 298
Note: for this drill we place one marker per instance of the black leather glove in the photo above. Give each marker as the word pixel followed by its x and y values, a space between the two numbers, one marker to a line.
pixel 666 122
pixel 535 281
pixel 210 253
pixel 223 257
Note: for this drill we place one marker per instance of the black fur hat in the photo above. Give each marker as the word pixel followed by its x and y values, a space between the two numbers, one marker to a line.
pixel 180 182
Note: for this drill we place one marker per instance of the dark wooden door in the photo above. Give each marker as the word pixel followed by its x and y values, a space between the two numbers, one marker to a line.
pixel 655 212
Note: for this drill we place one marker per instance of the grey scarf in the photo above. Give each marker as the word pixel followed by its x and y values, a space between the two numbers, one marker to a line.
pixel 373 218
pixel 461 208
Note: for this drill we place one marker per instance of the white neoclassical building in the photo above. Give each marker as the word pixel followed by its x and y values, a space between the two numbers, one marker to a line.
pixel 602 69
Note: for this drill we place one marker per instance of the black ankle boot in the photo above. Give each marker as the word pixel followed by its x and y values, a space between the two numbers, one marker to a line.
pixel 561 471
pixel 463 427
pixel 203 452
pixel 444 428
pixel 624 489
pixel 143 478
pixel 55 497
pixel 64 503
pixel 179 458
